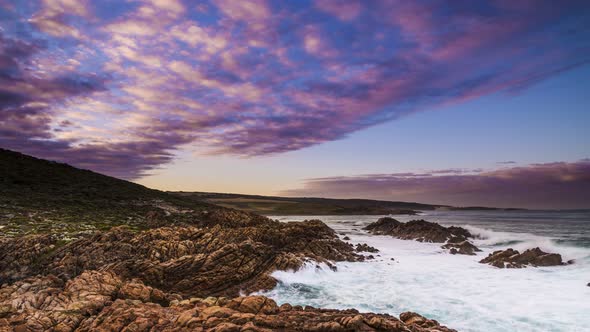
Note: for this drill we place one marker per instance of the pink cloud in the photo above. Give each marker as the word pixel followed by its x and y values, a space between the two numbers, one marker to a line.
pixel 244 10
pixel 251 77
pixel 558 185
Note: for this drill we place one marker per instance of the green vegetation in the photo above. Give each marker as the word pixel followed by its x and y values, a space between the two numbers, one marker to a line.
pixel 40 196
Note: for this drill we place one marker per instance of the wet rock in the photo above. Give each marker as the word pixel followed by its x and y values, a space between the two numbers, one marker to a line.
pixel 462 248
pixel 417 322
pixel 385 225
pixel 420 230
pixel 363 247
pixel 346 238
pixel 511 258
pixel 456 238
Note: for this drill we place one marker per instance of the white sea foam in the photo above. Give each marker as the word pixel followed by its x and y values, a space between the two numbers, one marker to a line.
pixel 454 289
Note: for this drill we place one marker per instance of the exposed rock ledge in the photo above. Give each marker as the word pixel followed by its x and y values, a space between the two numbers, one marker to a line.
pixel 456 238
pixel 511 258
pixel 162 279
pixel 101 301
pixel 191 261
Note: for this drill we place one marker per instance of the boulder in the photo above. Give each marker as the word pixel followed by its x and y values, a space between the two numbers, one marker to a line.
pixel 463 248
pixel 363 247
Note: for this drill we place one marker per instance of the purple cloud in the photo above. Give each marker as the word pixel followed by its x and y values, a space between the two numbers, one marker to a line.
pixel 557 185
pixel 137 81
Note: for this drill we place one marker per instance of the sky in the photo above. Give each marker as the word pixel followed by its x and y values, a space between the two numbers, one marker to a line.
pixel 445 102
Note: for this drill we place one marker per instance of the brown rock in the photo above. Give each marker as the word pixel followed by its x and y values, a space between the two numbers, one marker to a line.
pixel 163 279
pixel 191 261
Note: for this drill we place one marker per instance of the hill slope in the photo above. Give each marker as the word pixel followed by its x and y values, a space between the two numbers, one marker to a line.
pixel 40 196
pixel 271 205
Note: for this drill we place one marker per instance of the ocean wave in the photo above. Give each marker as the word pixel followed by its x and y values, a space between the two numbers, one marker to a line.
pixel 487 238
pixel 456 290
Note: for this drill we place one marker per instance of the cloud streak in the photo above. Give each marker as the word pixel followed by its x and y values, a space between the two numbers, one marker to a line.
pixel 140 80
pixel 557 185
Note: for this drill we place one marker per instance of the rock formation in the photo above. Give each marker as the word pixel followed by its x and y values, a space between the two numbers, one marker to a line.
pixel 456 238
pixel 101 301
pixel 162 279
pixel 420 230
pixel 363 247
pixel 193 261
pixel 511 258
pixel 463 248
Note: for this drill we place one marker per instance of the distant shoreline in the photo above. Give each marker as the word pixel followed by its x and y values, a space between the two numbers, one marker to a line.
pixel 289 206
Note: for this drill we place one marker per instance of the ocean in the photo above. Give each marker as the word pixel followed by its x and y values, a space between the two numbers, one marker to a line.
pixel 456 290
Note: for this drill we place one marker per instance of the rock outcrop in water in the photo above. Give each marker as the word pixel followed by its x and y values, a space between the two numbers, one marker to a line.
pixel 511 258
pixel 463 247
pixel 420 230
pixel 456 238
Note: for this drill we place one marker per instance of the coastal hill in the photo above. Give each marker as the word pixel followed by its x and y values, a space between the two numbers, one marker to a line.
pixel 273 205
pixel 315 206
pixel 41 196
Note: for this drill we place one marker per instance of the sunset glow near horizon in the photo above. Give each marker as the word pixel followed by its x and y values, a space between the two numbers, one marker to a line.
pixel 447 102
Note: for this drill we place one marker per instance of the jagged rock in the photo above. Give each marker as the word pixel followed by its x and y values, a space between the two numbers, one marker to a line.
pixel 462 248
pixel 191 261
pixel 15 266
pixel 420 230
pixel 456 238
pixel 162 279
pixel 511 258
pixel 363 247
pixel 385 226
pixel 415 320
pixel 90 302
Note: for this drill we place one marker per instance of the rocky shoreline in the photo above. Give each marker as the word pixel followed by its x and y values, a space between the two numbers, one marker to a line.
pixel 177 278
pixel 101 301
